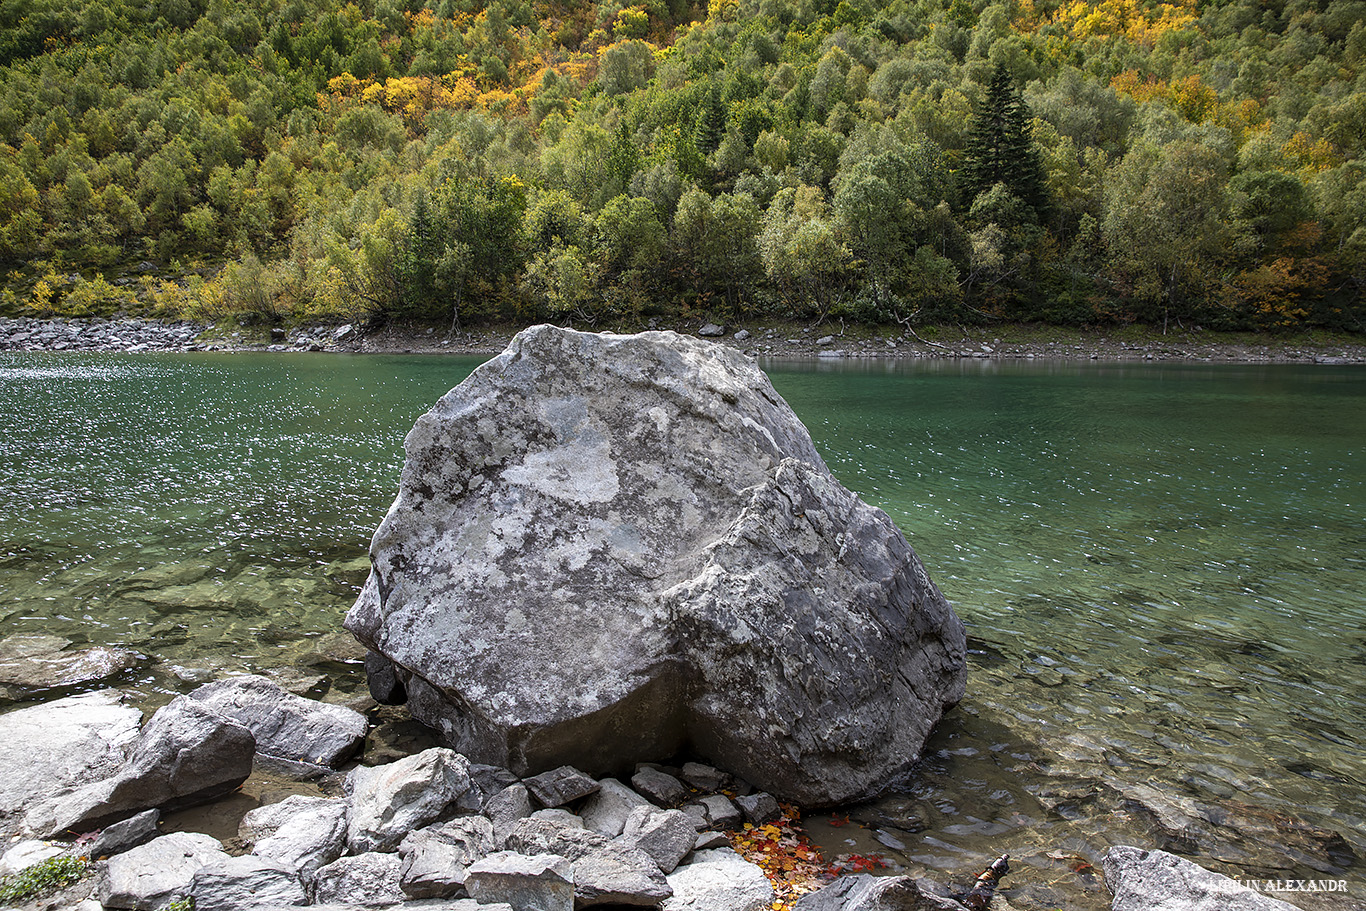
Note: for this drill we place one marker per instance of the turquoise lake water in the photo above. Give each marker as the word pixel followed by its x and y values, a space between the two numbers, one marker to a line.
pixel 1162 568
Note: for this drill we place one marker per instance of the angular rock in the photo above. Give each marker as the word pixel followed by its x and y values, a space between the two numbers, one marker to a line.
pixel 121 836
pixel 1157 881
pixel 560 786
pixel 47 750
pixel 864 892
pixel 370 880
pixel 244 884
pixel 711 330
pixel 697 814
pixel 708 840
pixel 666 835
pixel 759 808
pixel 301 832
pixel 641 526
pixel 506 808
pixel 618 874
pixel 187 754
pixel 606 810
pixel 544 836
pixel 286 726
pixel 660 787
pixel 705 778
pixel 541 882
pixel 435 859
pixel 719 880
pixel 489 780
pixel 721 813
pixel 150 875
pixel 387 802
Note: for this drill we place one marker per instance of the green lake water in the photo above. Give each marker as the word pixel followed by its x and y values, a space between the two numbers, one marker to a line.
pixel 1162 568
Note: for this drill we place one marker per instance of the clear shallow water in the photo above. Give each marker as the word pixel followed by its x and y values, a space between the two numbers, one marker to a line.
pixel 1161 567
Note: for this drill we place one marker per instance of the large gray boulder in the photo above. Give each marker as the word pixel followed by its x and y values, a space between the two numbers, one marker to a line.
pixel 1157 881
pixel 47 750
pixel 185 755
pixel 605 547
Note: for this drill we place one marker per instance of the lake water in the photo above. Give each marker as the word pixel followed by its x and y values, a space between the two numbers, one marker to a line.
pixel 1161 567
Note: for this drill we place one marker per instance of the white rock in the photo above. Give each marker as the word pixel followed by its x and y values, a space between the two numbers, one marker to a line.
pixel 719 880
pixel 387 802
pixel 301 832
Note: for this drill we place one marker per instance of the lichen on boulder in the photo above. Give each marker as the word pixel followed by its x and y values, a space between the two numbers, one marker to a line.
pixel 607 548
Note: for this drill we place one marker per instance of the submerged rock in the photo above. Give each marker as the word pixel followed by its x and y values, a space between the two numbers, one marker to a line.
pixel 39 665
pixel 607 547
pixel 1157 881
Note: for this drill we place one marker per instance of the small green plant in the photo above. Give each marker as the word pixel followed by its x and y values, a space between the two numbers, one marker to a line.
pixel 184 903
pixel 48 876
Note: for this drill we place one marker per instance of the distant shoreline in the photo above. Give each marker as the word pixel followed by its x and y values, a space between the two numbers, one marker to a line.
pixel 1009 342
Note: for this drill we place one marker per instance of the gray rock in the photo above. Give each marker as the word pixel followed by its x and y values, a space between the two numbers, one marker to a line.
pixel 301 832
pixel 561 816
pixel 864 892
pixel 187 754
pixel 719 880
pixel 382 678
pixel 121 836
pixel 35 665
pixel 825 340
pixel 544 836
pixel 709 840
pixel 721 813
pixel 703 777
pixel 741 336
pixel 618 874
pixel 387 802
pixel 711 330
pixel 759 808
pixel 666 835
pixel 370 880
pixel 28 853
pixel 1157 881
pixel 436 858
pixel 682 568
pixel 506 808
pixel 697 814
pixel 244 884
pixel 47 750
pixel 660 787
pixel 286 726
pixel 150 875
pixel 490 779
pixel 560 786
pixel 542 882
pixel 606 810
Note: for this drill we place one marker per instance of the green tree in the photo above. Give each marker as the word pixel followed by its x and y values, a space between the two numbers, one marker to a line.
pixel 1000 148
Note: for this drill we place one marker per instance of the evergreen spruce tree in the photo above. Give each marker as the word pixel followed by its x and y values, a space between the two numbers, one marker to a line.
pixel 1000 148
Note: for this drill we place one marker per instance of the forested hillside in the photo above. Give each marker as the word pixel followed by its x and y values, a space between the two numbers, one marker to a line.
pixel 1200 163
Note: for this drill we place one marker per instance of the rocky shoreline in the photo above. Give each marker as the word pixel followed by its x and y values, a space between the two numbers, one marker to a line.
pixel 432 830
pixel 1003 343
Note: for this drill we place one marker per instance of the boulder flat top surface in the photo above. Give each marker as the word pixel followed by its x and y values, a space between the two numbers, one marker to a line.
pixel 606 547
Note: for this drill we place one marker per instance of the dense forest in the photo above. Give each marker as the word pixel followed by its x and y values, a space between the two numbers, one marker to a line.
pixel 1189 163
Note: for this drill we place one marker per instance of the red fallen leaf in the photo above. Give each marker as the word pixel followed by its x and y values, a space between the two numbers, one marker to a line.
pixel 836 821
